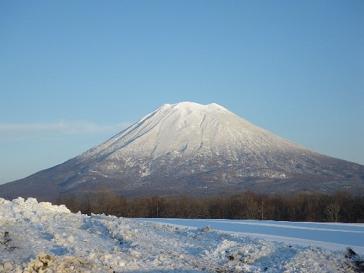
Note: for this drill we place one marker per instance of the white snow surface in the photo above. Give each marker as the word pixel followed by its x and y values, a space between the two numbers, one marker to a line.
pixel 40 237
pixel 333 236
pixel 188 128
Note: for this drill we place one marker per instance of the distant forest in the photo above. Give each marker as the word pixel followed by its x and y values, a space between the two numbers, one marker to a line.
pixel 341 207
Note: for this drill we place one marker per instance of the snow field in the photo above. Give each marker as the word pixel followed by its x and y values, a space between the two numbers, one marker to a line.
pixel 40 237
pixel 333 236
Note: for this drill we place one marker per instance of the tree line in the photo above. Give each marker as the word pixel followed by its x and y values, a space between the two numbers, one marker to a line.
pixel 341 207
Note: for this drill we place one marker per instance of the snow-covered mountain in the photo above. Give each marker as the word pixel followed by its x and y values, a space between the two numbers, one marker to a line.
pixel 189 148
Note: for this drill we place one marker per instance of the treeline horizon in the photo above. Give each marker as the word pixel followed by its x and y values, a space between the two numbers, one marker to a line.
pixel 315 207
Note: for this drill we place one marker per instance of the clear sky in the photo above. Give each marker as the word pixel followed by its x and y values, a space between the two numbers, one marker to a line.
pixel 73 73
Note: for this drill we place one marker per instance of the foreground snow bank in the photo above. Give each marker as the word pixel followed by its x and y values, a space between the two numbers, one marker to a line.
pixel 40 237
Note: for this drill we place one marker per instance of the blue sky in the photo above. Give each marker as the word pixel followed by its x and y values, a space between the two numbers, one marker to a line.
pixel 73 73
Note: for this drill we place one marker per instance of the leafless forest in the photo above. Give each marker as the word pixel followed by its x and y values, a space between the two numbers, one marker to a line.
pixel 341 207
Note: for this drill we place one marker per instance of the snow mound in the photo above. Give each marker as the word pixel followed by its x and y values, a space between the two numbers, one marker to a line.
pixel 41 237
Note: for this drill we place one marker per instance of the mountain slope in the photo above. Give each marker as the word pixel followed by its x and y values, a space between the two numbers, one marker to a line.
pixel 189 148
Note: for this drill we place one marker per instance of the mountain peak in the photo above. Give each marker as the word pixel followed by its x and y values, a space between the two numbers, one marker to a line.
pixel 189 129
pixel 191 106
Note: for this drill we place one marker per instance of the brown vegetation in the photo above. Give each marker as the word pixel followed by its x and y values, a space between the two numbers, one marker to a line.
pixel 341 207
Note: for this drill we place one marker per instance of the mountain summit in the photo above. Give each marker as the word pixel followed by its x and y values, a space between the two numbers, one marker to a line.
pixel 190 148
pixel 187 131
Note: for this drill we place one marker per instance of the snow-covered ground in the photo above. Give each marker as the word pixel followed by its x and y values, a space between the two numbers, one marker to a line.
pixel 40 237
pixel 334 236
